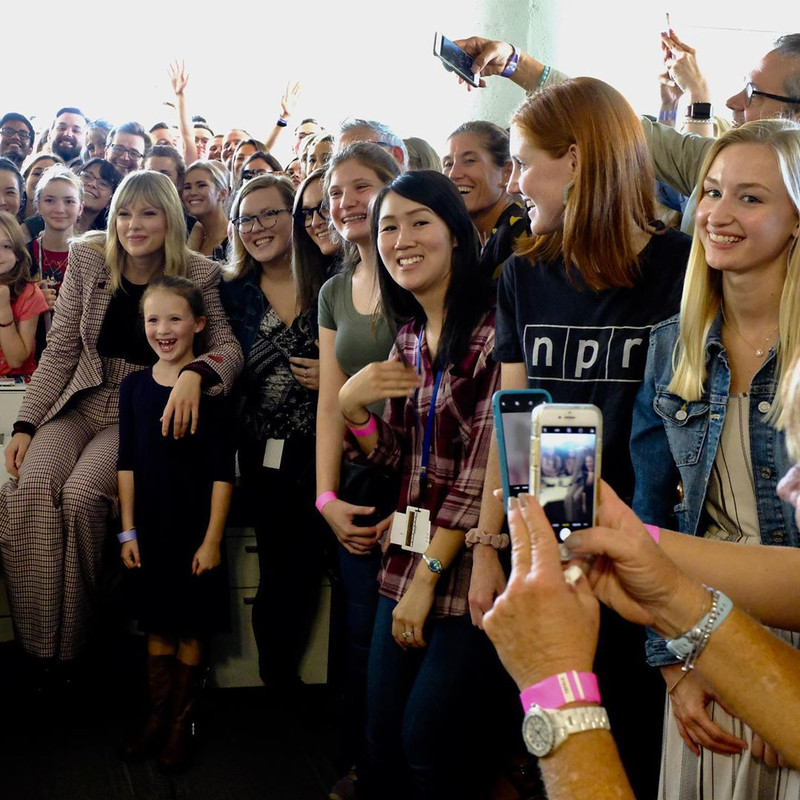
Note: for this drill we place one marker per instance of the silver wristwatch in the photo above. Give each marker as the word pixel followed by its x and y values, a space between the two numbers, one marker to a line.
pixel 546 729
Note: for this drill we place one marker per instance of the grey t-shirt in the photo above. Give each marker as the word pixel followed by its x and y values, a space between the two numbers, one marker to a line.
pixel 360 338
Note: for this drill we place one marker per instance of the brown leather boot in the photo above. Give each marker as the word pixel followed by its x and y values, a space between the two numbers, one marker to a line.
pixel 176 751
pixel 159 680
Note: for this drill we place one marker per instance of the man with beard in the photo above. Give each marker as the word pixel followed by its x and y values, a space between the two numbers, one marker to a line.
pixel 16 137
pixel 127 146
pixel 68 134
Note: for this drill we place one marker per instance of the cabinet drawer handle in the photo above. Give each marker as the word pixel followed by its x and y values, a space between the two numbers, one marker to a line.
pixel 251 548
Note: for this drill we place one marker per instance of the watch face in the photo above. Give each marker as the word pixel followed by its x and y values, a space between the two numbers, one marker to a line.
pixel 538 733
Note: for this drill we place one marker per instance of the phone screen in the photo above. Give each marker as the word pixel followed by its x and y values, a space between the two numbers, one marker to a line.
pixel 452 55
pixel 567 462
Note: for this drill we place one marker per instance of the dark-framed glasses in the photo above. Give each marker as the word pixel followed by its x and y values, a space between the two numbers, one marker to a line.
pixel 750 90
pixel 249 174
pixel 10 133
pixel 120 150
pixel 306 215
pixel 88 177
pixel 267 219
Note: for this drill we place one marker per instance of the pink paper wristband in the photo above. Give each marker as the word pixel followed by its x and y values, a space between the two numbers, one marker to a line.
pixel 370 427
pixel 324 499
pixel 558 690
pixel 654 531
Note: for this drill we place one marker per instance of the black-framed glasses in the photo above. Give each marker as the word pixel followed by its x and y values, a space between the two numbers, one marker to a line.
pixel 249 174
pixel 132 153
pixel 88 177
pixel 10 133
pixel 750 90
pixel 267 219
pixel 306 215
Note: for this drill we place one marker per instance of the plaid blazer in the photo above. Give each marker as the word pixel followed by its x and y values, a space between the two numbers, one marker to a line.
pixel 70 363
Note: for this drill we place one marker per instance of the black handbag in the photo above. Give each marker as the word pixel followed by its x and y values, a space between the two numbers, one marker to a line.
pixel 369 485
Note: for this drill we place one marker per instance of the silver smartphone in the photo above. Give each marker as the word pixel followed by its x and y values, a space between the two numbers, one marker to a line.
pixel 455 59
pixel 566 443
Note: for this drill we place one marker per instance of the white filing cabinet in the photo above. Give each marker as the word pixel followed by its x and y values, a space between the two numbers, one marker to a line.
pixel 11 393
pixel 235 656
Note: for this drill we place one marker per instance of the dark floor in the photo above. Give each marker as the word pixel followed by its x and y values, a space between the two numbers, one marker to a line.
pixel 62 745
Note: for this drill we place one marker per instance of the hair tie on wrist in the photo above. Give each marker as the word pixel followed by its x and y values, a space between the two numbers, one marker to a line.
pixel 499 541
pixel 281 123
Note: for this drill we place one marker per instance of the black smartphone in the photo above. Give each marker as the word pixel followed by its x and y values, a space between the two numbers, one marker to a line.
pixel 455 59
pixel 512 421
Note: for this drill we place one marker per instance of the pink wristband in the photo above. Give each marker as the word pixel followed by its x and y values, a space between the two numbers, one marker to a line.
pixel 654 531
pixel 558 690
pixel 324 499
pixel 370 427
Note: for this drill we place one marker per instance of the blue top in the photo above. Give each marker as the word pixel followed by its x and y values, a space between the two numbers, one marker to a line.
pixel 674 445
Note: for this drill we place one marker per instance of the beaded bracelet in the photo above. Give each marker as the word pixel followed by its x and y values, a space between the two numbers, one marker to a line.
pixel 689 646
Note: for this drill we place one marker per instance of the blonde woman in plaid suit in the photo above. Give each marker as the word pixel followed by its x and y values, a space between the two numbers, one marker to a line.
pixel 54 512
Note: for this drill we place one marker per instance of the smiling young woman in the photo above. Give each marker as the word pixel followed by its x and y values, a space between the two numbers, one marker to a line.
pixel 713 385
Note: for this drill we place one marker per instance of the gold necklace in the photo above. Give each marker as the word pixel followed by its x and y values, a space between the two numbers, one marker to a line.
pixel 759 351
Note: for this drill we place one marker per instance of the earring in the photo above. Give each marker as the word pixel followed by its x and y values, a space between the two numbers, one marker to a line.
pixel 567 190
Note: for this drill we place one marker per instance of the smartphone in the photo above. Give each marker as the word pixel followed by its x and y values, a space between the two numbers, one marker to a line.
pixel 455 59
pixel 512 421
pixel 566 443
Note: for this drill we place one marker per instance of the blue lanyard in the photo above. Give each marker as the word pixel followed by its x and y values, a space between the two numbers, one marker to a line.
pixel 426 439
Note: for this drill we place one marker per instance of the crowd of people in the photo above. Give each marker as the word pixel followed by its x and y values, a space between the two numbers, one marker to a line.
pixel 321 341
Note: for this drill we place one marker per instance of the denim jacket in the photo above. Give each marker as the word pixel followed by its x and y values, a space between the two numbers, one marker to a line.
pixel 674 444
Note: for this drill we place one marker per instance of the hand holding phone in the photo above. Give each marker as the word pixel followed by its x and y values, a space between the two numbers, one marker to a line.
pixel 455 59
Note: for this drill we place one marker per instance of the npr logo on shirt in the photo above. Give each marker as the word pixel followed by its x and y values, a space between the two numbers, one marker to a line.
pixel 574 353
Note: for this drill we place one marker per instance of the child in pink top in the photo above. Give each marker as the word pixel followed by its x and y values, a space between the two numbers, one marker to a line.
pixel 21 301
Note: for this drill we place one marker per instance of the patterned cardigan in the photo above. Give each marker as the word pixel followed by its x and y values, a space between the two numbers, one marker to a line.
pixel 70 363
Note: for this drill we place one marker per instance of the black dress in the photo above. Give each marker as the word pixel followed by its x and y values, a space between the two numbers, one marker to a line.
pixel 172 502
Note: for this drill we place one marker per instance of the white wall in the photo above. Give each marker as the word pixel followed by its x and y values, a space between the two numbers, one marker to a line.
pixel 368 59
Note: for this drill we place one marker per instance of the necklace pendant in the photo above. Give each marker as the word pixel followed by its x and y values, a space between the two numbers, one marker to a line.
pixel 759 352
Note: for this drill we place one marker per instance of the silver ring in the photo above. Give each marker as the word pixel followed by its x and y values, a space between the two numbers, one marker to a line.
pixel 406 634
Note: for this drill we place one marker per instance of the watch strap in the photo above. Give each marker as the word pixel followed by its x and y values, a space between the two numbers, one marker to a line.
pixel 700 111
pixel 560 689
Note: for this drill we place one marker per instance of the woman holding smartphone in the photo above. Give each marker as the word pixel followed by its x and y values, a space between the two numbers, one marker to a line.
pixel 709 419
pixel 575 309
pixel 435 429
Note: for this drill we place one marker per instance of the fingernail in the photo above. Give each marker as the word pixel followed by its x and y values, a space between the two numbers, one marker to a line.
pixel 523 500
pixel 513 503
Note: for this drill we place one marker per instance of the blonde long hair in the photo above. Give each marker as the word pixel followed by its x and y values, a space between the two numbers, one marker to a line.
pixel 158 191
pixel 702 289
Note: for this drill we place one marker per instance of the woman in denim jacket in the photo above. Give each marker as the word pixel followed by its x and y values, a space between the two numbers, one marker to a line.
pixel 706 443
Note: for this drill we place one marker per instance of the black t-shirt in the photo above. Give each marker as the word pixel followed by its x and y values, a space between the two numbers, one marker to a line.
pixel 590 347
pixel 122 333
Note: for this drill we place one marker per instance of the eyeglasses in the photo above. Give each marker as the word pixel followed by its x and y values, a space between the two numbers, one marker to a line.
pixel 10 133
pixel 119 150
pixel 267 219
pixel 87 177
pixel 750 90
pixel 306 215
pixel 249 174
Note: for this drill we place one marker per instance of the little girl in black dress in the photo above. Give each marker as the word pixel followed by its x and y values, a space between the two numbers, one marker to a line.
pixel 176 492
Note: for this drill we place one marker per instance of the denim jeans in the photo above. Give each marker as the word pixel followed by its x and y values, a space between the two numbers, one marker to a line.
pixel 427 710
pixel 359 580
